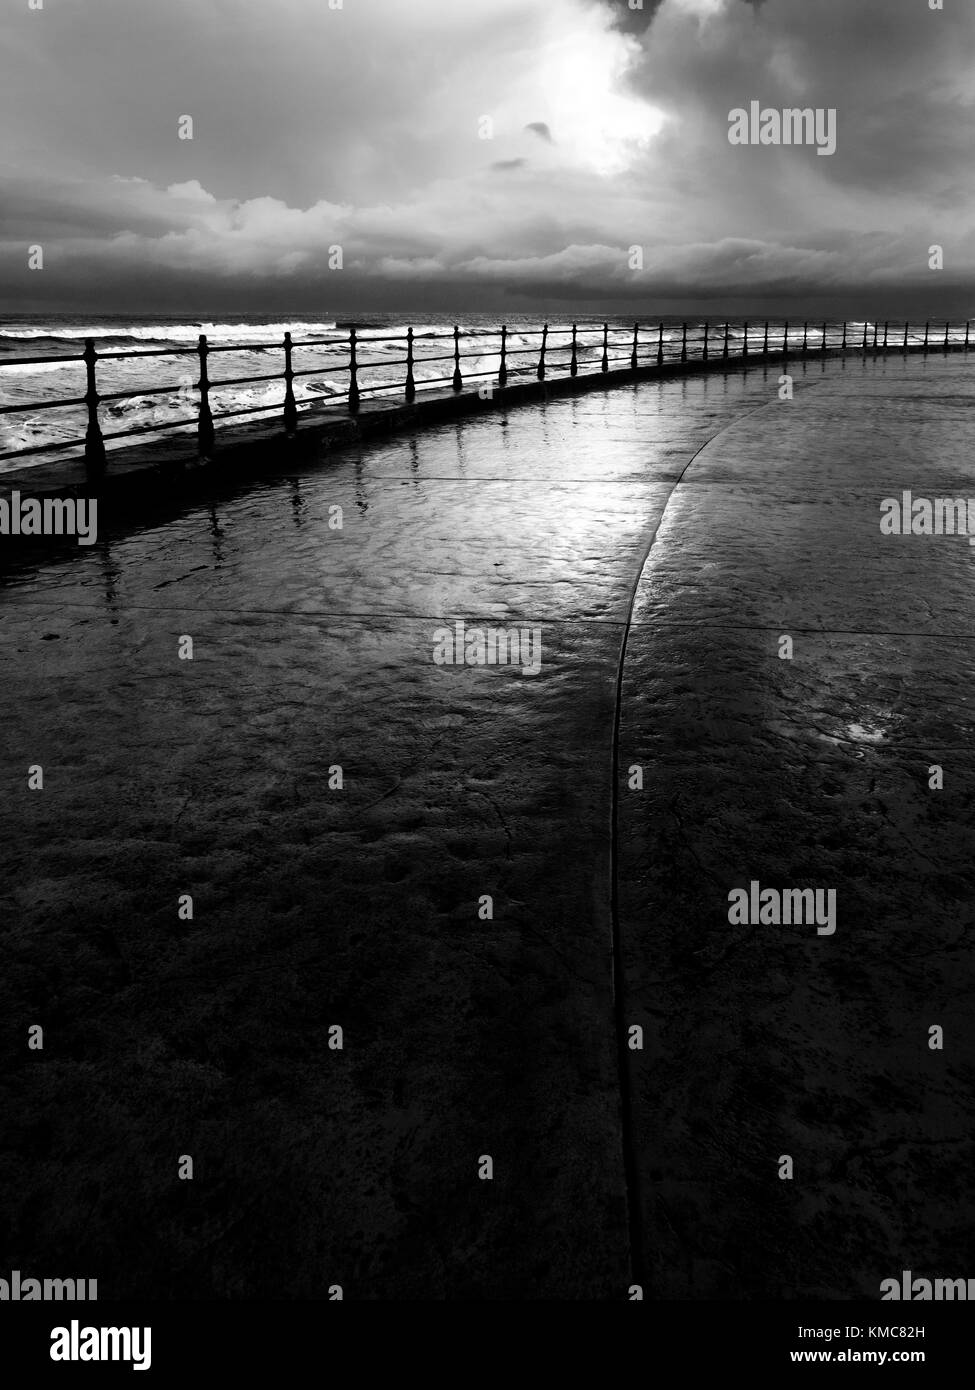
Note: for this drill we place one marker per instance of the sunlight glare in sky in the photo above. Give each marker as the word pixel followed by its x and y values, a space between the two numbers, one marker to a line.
pixel 601 126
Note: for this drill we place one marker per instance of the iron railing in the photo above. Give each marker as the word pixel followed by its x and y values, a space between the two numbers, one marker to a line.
pixel 645 352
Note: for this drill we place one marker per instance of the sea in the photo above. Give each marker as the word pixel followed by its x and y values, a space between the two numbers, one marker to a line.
pixel 40 364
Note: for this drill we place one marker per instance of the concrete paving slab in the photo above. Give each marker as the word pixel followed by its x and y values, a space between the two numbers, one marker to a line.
pixel 764 1040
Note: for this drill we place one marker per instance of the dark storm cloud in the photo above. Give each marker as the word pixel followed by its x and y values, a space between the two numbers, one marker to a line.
pixel 635 18
pixel 898 74
pixel 384 127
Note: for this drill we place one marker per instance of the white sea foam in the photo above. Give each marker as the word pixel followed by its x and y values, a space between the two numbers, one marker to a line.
pixel 175 333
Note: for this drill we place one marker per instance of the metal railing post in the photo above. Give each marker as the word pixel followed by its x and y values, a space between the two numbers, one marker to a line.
pixel 633 354
pixel 967 325
pixel 574 363
pixel 353 375
pixel 864 344
pixel 805 338
pixel 906 327
pixel 503 371
pixel 605 361
pixel 886 326
pixel 725 352
pixel 822 347
pixel 683 344
pixel 410 382
pixel 765 342
pixel 744 345
pixel 94 443
pixel 458 381
pixel 541 360
pixel 660 346
pixel 204 429
pixel 290 407
pixel 927 327
pixel 785 341
pixel 704 350
pixel 947 326
pixel 844 336
pixel 875 327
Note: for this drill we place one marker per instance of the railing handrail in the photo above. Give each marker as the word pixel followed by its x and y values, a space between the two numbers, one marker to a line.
pixel 350 343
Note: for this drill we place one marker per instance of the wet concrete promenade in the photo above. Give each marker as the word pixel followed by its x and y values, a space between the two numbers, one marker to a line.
pixel 698 519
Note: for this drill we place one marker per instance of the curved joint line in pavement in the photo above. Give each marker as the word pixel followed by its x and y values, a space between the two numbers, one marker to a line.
pixel 631 1173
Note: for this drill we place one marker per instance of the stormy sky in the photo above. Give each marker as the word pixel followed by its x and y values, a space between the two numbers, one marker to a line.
pixel 364 127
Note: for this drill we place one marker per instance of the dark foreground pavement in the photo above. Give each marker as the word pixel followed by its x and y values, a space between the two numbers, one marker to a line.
pixel 315 906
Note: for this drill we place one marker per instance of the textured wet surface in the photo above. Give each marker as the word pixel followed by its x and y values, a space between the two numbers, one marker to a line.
pixel 764 1040
pixel 315 906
